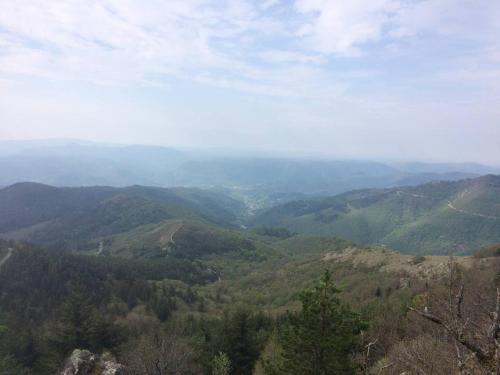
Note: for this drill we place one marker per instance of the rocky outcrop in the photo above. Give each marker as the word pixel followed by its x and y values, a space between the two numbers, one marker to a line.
pixel 83 362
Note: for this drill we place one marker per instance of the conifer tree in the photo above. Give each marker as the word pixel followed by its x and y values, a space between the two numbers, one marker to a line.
pixel 242 345
pixel 322 338
pixel 82 326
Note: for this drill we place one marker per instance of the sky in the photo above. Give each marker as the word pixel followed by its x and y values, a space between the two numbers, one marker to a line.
pixel 365 79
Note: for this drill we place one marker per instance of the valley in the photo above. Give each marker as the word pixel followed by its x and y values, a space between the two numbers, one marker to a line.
pixel 197 264
pixel 358 231
pixel 431 219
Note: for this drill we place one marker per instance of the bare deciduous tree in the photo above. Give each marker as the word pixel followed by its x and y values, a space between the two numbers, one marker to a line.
pixel 474 330
pixel 161 354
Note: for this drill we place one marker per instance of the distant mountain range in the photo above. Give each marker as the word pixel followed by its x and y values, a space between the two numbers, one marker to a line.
pixel 417 208
pixel 435 218
pixel 260 180
pixel 84 164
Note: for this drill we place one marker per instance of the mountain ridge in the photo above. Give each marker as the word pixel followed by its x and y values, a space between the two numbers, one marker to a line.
pixel 71 217
pixel 77 163
pixel 408 219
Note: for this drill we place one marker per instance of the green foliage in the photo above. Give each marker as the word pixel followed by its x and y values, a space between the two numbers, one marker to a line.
pixel 54 302
pixel 195 241
pixel 418 259
pixel 277 232
pixel 271 359
pixel 9 366
pixel 241 343
pixel 240 334
pixel 187 241
pixel 35 281
pixel 436 218
pixel 322 338
pixel 75 218
pixel 221 364
pixel 163 307
pixel 81 325
pixel 16 346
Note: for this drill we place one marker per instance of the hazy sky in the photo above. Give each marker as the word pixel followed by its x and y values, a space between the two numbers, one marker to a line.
pixel 398 79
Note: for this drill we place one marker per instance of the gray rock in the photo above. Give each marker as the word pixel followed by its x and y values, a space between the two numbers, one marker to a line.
pixel 112 368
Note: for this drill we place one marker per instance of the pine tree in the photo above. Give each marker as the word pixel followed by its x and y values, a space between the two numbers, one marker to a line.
pixel 81 325
pixel 163 306
pixel 9 366
pixel 322 338
pixel 241 343
pixel 73 329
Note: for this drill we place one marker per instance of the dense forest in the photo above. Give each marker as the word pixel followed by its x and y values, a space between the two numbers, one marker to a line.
pixel 147 280
pixel 436 218
pixel 172 316
pixel 446 217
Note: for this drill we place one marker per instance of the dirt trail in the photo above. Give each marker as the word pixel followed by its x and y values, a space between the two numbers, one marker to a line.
pixel 6 257
pixel 450 205
pixel 399 192
pixel 167 237
pixel 174 232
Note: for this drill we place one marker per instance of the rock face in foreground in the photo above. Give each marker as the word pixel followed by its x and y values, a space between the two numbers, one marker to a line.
pixel 83 362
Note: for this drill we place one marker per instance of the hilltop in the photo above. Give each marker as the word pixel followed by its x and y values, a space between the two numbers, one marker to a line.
pixel 75 218
pixel 184 239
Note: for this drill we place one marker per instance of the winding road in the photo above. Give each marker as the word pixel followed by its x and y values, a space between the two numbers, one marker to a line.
pixel 174 232
pixel 6 257
pixel 450 205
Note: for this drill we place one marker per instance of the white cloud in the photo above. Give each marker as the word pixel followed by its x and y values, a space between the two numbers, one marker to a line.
pixel 283 56
pixel 112 40
pixel 318 72
pixel 337 27
pixel 341 27
pixel 468 20
pixel 128 41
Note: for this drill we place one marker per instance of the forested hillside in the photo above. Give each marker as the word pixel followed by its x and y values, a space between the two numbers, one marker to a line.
pixel 149 276
pixel 53 302
pixel 435 218
pixel 246 315
pixel 76 218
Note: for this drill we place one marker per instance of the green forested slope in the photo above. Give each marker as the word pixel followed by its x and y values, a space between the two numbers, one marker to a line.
pixel 184 239
pixel 435 218
pixel 73 218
